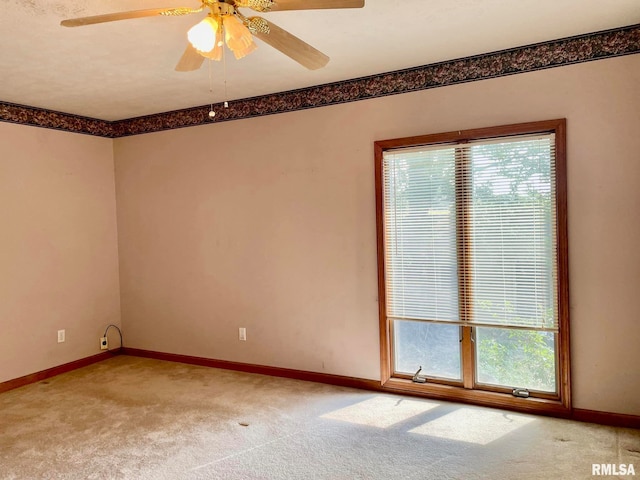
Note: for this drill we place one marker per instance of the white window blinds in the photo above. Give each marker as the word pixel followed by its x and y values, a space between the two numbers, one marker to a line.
pixel 420 234
pixel 470 233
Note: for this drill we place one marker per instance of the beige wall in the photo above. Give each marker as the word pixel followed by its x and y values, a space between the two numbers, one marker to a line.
pixel 269 224
pixel 58 247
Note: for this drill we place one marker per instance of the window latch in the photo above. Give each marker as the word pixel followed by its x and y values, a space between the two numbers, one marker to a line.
pixel 417 378
pixel 520 392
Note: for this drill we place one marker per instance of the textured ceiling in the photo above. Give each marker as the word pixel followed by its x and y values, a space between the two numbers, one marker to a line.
pixel 126 69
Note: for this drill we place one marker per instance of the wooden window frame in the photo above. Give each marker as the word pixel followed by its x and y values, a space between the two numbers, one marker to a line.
pixel 557 405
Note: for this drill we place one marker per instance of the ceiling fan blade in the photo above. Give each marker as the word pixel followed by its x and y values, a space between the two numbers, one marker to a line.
pixel 314 4
pixel 292 46
pixel 113 17
pixel 190 60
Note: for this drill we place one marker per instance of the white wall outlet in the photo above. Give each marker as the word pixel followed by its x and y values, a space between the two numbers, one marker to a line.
pixel 61 336
pixel 104 343
pixel 242 334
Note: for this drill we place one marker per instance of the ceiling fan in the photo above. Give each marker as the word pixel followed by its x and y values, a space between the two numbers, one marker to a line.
pixel 224 24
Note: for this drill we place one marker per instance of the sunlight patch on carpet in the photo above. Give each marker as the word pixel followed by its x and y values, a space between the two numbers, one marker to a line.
pixel 381 412
pixel 473 425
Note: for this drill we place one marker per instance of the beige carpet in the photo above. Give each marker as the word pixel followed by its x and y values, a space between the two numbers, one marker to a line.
pixel 134 418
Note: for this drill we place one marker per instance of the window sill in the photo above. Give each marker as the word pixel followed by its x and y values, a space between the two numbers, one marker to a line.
pixel 539 406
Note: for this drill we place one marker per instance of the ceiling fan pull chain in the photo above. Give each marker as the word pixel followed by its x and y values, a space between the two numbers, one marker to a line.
pixel 212 113
pixel 224 73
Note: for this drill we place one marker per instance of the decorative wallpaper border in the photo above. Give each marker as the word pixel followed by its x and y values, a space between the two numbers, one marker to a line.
pixel 540 56
pixel 40 117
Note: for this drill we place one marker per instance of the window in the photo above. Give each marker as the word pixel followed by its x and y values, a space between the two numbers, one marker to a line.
pixel 473 265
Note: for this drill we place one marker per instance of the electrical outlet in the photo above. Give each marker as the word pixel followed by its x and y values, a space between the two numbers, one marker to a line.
pixel 242 334
pixel 61 336
pixel 104 343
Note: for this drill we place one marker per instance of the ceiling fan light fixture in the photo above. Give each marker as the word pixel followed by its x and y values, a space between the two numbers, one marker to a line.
pixel 209 36
pixel 216 52
pixel 244 51
pixel 238 37
pixel 203 35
